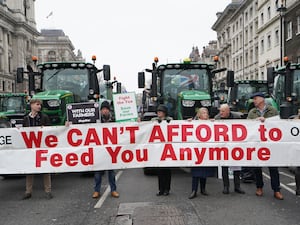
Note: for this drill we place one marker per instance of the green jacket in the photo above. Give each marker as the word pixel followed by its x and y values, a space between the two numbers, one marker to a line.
pixel 270 111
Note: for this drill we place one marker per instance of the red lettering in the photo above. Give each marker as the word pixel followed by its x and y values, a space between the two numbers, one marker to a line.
pixel 113 153
pixel 185 131
pixel 87 158
pixel 249 153
pixel 239 132
pixel 263 154
pixel 51 141
pixel 221 130
pixel 275 134
pixel 141 157
pixel 157 135
pixel 172 133
pixel 70 134
pixel 110 136
pixel 71 159
pixel 56 160
pixel 39 158
pixel 199 133
pixel 168 152
pixel 132 133
pixel 32 140
pixel 237 153
pixel 92 137
pixel 127 156
pixel 262 131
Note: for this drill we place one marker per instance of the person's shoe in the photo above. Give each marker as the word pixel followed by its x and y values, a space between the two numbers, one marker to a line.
pixel 49 195
pixel 96 194
pixel 115 194
pixel 259 192
pixel 166 193
pixel 226 190
pixel 26 196
pixel 203 192
pixel 239 190
pixel 159 193
pixel 193 195
pixel 278 195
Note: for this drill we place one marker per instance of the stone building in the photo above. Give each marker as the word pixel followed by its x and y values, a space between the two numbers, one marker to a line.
pixel 54 45
pixel 249 36
pixel 17 40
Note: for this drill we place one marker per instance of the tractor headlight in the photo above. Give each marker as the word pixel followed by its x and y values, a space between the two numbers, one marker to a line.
pixel 188 103
pixel 206 103
pixel 53 103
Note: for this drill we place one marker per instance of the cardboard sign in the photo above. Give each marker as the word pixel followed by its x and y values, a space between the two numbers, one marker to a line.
pixel 87 112
pixel 125 107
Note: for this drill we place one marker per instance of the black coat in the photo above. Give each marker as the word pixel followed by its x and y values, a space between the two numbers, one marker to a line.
pixel 40 119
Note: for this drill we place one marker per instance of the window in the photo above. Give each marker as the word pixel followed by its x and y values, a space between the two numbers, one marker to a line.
pixel 246 17
pixel 276 41
pixel 298 24
pixel 51 56
pixel 269 13
pixel 262 18
pixel 250 12
pixel 246 35
pixel 269 41
pixel 289 30
pixel 262 46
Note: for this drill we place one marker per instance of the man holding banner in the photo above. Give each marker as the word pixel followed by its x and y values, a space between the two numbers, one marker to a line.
pixel 106 117
pixel 261 112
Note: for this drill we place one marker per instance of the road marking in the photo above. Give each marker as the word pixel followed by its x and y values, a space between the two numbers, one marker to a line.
pixel 106 192
pixel 287 175
pixel 281 185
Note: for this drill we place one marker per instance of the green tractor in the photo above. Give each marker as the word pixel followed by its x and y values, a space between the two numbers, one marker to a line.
pixel 182 87
pixel 12 109
pixel 286 88
pixel 60 83
pixel 239 94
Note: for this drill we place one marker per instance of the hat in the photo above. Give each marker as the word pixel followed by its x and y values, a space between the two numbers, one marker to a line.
pixel 162 108
pixel 105 104
pixel 258 94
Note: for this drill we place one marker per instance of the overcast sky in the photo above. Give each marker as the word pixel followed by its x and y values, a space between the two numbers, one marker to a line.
pixel 128 34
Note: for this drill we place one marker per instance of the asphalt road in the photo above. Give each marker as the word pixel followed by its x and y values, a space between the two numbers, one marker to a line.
pixel 138 204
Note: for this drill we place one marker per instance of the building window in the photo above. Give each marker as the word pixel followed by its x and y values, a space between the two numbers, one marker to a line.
pixel 3 85
pixel 289 30
pixel 298 24
pixel 51 56
pixel 246 17
pixel 269 13
pixel 262 46
pixel 246 36
pixel 269 41
pixel 8 39
pixel 276 42
pixel 250 12
pixel 262 18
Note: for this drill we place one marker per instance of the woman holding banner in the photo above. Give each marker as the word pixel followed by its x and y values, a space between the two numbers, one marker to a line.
pixel 200 173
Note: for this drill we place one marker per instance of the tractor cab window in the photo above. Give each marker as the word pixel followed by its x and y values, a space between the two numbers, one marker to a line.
pixel 12 104
pixel 76 81
pixel 178 80
pixel 244 91
pixel 296 84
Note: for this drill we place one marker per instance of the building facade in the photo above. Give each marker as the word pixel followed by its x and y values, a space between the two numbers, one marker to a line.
pixel 17 40
pixel 54 45
pixel 254 34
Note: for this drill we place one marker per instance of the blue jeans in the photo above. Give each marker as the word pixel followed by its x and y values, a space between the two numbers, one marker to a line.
pixel 111 178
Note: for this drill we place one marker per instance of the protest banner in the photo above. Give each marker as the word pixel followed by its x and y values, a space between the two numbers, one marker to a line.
pixel 92 147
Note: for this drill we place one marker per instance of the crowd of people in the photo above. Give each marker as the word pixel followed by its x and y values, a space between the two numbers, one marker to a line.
pixel 260 112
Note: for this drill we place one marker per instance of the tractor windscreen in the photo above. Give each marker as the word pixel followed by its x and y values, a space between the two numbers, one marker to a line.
pixel 12 104
pixel 74 80
pixel 178 80
pixel 245 91
pixel 296 83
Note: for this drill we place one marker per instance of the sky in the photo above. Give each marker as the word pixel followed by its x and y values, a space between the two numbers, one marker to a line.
pixel 127 35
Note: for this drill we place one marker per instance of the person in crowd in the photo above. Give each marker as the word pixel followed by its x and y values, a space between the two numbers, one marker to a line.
pixel 33 119
pixel 106 117
pixel 164 174
pixel 261 111
pixel 225 114
pixel 200 173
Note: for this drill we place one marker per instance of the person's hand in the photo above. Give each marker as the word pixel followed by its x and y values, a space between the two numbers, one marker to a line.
pixel 67 123
pixel 261 119
pixel 189 119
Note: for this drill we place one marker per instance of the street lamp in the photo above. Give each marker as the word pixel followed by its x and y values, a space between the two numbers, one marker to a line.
pixel 281 9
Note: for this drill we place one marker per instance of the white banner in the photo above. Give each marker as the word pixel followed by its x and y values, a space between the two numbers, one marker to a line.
pixel 90 147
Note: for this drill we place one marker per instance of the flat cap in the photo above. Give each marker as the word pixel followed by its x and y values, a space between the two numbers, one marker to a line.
pixel 258 94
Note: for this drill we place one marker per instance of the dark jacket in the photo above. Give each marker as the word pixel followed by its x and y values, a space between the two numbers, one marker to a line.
pixel 40 119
